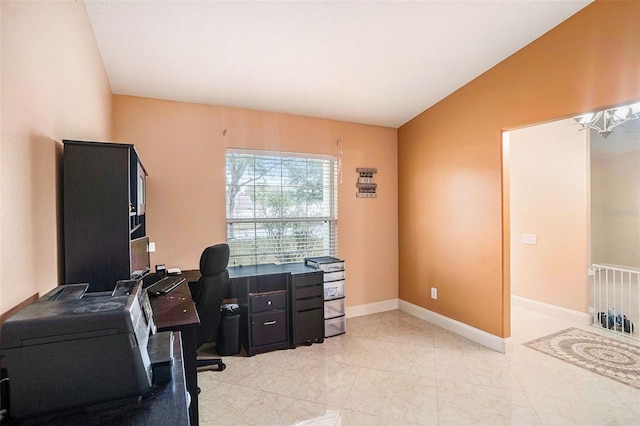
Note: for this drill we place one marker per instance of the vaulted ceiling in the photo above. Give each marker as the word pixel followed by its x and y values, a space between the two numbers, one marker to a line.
pixel 371 62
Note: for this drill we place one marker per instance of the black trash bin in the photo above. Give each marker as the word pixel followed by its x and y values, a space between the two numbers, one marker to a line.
pixel 228 340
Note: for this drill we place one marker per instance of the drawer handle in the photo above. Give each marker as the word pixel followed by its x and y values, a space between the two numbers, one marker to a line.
pixel 269 302
pixel 270 322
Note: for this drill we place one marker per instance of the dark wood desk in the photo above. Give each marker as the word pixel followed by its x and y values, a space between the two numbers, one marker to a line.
pixel 301 289
pixel 192 275
pixel 165 404
pixel 176 312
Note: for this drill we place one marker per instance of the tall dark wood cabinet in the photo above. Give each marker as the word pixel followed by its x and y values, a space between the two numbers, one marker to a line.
pixel 104 209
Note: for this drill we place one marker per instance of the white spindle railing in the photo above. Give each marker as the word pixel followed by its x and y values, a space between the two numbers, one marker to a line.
pixel 615 299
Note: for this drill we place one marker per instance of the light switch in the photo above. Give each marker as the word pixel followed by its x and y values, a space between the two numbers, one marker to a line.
pixel 529 239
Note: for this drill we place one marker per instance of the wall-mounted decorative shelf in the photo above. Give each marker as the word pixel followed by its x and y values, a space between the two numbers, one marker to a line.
pixel 366 185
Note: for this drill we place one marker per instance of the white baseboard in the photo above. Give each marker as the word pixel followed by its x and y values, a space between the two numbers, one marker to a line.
pixel 371 308
pixel 552 310
pixel 499 344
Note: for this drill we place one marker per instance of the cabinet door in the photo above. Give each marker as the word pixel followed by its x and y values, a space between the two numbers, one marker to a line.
pixel 308 326
pixel 96 214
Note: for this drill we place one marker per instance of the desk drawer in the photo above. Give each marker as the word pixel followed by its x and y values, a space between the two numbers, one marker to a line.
pixel 268 327
pixel 308 279
pixel 268 301
pixel 313 291
pixel 306 304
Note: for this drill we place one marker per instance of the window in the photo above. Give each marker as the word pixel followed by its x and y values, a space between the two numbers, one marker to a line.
pixel 281 207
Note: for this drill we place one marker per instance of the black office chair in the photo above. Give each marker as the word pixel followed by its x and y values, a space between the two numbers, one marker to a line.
pixel 208 294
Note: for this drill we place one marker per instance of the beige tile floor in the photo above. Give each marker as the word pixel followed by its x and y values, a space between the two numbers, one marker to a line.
pixel 394 369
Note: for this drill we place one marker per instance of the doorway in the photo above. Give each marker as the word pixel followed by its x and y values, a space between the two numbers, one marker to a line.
pixel 559 197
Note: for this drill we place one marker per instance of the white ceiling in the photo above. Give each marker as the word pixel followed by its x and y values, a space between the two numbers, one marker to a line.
pixel 371 62
pixel 624 139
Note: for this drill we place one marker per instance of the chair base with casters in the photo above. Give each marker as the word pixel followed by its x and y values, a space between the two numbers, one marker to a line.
pixel 213 361
pixel 207 362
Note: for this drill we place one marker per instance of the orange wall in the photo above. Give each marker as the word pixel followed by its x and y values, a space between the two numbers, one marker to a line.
pixel 549 183
pixel 54 86
pixel 452 234
pixel 183 146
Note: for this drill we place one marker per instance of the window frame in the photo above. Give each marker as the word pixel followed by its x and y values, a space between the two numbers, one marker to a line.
pixel 328 219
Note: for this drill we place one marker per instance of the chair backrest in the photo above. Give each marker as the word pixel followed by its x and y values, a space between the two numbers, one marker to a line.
pixel 210 290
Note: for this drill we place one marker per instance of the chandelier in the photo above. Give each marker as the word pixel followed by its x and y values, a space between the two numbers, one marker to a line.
pixel 605 121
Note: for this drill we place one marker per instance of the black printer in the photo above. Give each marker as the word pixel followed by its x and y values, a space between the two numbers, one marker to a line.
pixel 72 349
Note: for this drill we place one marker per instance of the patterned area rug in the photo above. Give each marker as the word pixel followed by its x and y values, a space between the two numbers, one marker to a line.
pixel 610 358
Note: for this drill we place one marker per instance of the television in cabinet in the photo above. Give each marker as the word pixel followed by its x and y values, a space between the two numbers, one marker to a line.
pixel 104 200
pixel 140 261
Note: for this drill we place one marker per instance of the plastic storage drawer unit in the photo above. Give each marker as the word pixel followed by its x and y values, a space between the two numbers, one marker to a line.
pixel 333 293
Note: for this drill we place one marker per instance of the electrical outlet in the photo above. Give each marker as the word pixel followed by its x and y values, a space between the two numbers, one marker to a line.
pixel 434 293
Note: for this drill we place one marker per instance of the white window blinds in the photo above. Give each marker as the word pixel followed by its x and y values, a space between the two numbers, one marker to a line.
pixel 281 207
